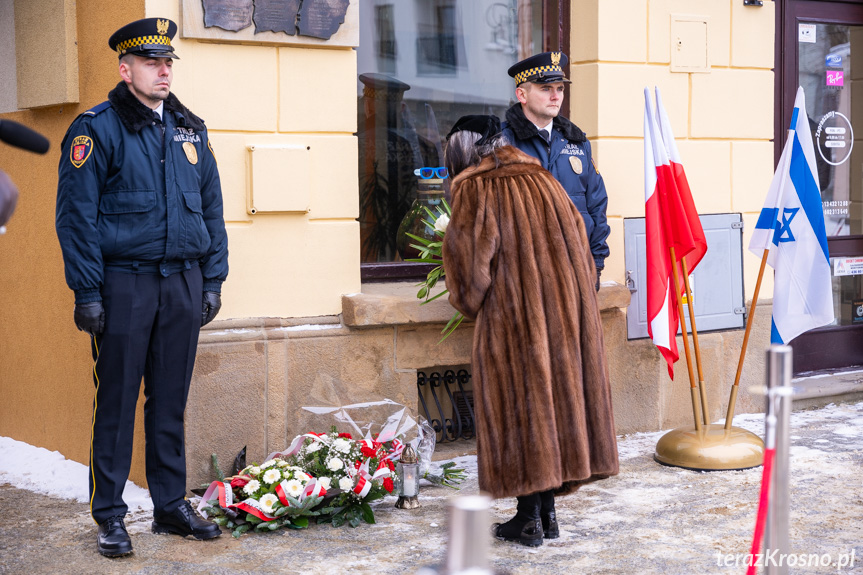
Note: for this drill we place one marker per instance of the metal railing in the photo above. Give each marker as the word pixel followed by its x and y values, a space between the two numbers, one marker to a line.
pixel 452 417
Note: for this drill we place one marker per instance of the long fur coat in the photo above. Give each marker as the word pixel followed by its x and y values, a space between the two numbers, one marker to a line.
pixel 517 261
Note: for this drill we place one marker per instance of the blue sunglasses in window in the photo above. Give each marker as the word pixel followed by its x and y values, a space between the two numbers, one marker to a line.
pixel 429 173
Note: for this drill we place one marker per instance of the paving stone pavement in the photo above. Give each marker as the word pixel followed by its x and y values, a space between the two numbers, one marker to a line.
pixel 649 519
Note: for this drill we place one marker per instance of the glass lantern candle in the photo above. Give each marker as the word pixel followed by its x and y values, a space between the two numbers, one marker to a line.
pixel 409 479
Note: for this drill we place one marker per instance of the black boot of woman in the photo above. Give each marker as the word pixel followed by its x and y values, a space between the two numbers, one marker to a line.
pixel 525 527
pixel 548 516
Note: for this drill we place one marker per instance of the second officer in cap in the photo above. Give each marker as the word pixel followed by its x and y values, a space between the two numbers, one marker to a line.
pixel 139 219
pixel 534 125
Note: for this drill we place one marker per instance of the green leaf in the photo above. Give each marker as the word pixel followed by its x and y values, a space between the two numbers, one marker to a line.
pixel 221 521
pixel 252 519
pixel 354 522
pixel 273 525
pixel 262 527
pixel 450 326
pixel 301 522
pixel 374 497
pixel 219 475
pixel 368 513
pixel 241 529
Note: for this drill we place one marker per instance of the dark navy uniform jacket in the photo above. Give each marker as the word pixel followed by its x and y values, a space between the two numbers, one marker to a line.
pixel 134 197
pixel 569 160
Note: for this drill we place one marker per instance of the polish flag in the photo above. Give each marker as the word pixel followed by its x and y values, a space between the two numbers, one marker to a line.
pixel 667 226
pixel 697 254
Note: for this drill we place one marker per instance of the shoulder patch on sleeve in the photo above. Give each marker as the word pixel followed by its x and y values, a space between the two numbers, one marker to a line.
pixel 98 108
pixel 595 168
pixel 80 150
pixel 210 145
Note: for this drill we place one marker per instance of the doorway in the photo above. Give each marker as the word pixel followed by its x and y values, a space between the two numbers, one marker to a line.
pixel 819 46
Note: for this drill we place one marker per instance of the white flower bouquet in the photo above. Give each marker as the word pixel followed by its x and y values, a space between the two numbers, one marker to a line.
pixel 264 497
pixel 431 252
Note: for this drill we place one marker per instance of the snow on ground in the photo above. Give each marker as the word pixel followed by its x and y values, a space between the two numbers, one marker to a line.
pixel 49 472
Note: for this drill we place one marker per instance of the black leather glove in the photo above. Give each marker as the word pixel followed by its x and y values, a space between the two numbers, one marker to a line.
pixel 212 305
pixel 90 317
pixel 598 273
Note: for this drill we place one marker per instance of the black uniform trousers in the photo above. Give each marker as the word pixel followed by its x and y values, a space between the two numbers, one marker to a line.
pixel 152 324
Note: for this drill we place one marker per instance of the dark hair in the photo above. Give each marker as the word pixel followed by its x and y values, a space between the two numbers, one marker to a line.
pixel 462 151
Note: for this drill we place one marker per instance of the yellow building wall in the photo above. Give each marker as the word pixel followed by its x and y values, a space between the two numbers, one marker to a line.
pixel 722 118
pixel 281 264
pixel 45 363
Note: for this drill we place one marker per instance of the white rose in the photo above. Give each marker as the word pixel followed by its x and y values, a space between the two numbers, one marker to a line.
pixel 271 476
pixel 441 223
pixel 314 446
pixel 269 463
pixel 252 486
pixel 335 464
pixel 267 502
pixel 342 444
pixel 302 477
pixel 346 483
pixel 255 471
pixel 325 482
pixel 282 463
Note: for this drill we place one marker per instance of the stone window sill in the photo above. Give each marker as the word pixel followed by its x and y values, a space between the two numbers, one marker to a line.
pixel 395 303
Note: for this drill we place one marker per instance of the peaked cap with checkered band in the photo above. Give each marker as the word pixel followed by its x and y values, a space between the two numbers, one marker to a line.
pixel 542 68
pixel 150 38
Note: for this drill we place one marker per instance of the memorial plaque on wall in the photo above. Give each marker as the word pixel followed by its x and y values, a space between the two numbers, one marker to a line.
pixel 230 15
pixel 334 23
pixel 322 18
pixel 276 16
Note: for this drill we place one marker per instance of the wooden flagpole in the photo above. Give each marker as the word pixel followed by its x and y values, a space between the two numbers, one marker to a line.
pixel 702 387
pixel 732 400
pixel 692 385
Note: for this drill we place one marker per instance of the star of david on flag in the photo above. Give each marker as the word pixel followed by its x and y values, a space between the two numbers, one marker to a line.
pixel 791 228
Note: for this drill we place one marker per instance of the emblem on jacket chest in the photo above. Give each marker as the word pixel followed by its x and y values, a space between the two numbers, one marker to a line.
pixel 191 152
pixel 576 164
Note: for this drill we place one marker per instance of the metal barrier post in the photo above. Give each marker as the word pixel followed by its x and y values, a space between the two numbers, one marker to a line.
pixel 779 392
pixel 469 535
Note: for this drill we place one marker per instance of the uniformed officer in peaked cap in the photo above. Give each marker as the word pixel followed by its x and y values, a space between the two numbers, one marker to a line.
pixel 139 219
pixel 535 126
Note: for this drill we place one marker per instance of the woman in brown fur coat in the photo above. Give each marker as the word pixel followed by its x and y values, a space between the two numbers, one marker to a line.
pixel 517 261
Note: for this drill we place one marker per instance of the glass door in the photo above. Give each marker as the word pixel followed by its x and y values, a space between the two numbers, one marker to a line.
pixel 823 53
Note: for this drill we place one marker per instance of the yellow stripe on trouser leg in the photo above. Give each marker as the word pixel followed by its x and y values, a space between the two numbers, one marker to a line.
pixel 93 427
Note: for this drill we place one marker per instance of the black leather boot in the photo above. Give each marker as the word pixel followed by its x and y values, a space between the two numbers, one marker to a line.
pixel 184 521
pixel 525 527
pixel 550 528
pixel 112 540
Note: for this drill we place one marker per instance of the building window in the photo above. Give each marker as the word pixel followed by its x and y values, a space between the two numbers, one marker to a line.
pixel 385 39
pixel 422 64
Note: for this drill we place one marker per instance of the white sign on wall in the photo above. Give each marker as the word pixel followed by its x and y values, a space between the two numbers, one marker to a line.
pixel 847 266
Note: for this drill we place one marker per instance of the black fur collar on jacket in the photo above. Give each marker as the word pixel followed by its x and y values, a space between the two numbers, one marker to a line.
pixel 136 115
pixel 524 128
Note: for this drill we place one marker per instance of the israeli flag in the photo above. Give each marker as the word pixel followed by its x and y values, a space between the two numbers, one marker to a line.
pixel 791 228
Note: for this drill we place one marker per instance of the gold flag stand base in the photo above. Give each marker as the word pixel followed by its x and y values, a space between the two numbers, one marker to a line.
pixel 711 448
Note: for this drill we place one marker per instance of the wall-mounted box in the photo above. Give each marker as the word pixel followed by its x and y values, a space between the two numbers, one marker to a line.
pixel 717 282
pixel 280 179
pixel 689 51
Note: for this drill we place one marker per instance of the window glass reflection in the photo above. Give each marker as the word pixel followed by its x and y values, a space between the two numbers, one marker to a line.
pixel 423 64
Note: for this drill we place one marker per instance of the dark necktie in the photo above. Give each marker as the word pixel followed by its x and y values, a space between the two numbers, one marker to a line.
pixel 545 136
